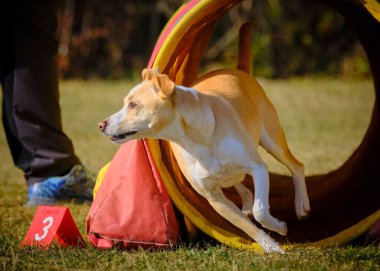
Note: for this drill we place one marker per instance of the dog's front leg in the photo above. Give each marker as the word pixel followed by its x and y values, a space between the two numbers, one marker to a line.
pixel 234 215
pixel 261 203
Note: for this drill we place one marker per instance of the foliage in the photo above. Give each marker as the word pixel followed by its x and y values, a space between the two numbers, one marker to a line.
pixel 296 38
pixel 112 38
pixel 115 38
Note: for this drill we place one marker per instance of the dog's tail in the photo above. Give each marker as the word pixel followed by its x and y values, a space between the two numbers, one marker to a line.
pixel 245 52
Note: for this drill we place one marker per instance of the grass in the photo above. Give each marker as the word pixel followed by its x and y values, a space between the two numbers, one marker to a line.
pixel 324 119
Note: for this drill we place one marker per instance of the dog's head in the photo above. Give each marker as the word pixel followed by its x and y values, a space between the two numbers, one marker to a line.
pixel 148 109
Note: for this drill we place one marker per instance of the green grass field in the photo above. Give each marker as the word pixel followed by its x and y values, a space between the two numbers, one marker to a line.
pixel 324 120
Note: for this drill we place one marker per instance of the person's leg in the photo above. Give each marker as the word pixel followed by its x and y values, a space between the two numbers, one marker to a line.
pixel 31 112
pixel 29 77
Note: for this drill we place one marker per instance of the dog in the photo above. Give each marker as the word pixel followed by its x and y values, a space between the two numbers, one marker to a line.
pixel 214 128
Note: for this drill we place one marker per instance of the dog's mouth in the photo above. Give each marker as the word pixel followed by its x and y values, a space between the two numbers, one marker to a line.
pixel 120 137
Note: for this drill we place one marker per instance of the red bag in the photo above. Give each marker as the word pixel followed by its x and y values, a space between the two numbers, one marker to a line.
pixel 132 207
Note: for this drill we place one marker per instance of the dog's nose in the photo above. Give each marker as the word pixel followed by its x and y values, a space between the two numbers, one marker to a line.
pixel 102 125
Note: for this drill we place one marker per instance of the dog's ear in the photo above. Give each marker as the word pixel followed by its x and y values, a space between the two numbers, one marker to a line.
pixel 147 74
pixel 163 85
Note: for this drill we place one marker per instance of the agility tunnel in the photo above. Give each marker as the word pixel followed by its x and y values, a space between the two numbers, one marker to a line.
pixel 345 202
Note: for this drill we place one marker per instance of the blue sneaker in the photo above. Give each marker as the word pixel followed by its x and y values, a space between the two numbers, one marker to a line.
pixel 78 184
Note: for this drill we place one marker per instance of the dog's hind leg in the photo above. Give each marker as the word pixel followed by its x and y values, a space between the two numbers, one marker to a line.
pixel 274 141
pixel 233 214
pixel 261 202
pixel 246 199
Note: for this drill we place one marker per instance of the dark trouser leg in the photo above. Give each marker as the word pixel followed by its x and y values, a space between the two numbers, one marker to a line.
pixel 31 112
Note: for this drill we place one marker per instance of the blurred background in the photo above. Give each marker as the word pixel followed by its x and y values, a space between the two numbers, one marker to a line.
pixel 114 39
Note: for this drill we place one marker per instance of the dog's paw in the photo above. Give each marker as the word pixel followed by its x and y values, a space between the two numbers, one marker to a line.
pixel 302 206
pixel 268 244
pixel 269 222
pixel 282 229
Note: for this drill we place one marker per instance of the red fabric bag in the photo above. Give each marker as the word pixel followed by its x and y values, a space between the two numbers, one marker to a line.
pixel 132 207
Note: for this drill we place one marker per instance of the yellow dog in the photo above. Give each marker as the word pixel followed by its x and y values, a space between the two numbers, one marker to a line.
pixel 214 128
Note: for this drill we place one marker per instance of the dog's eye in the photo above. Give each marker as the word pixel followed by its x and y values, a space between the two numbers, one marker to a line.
pixel 132 105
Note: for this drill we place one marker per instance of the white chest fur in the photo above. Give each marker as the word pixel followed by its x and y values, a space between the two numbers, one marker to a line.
pixel 223 165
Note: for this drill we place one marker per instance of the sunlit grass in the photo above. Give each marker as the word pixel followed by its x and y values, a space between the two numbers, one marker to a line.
pixel 324 120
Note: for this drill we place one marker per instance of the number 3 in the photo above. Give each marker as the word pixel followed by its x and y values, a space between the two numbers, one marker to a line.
pixel 48 220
